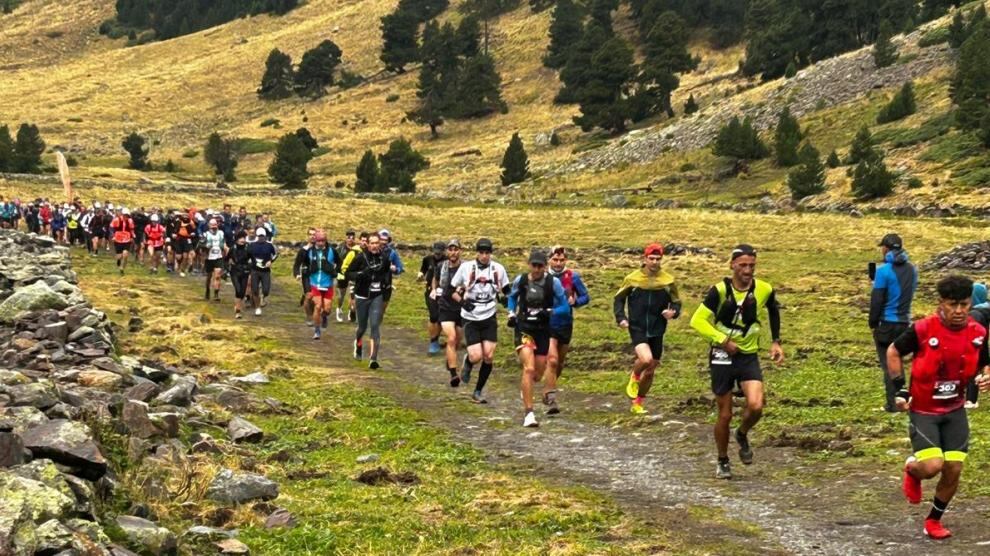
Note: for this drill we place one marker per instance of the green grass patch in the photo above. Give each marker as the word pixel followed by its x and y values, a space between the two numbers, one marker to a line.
pixel 247 145
pixel 953 147
pixel 930 129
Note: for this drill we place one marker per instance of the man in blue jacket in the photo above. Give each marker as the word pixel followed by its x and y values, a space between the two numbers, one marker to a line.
pixel 890 304
pixel 561 326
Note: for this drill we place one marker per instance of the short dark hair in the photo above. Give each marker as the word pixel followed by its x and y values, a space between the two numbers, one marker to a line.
pixel 955 287
pixel 365 235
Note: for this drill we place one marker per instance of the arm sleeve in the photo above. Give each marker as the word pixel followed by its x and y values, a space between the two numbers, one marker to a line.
pixel 394 258
pixel 675 300
pixel 460 277
pixel 907 342
pixel 703 319
pixel 984 357
pixel 773 310
pixel 514 296
pixel 424 267
pixel 619 303
pixel 583 297
pixel 878 298
pixel 560 305
pixel 297 263
pixel 344 265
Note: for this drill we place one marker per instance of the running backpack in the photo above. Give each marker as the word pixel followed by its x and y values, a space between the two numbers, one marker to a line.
pixel 730 314
pixel 539 294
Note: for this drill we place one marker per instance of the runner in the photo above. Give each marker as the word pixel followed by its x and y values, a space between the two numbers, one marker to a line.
pixel 320 271
pixel 450 310
pixel 140 218
pixel 561 326
pixel 216 251
pixel 97 227
pixel 300 271
pixel 184 244
pixel 477 285
pixel 154 237
pixel 894 284
pixel 343 250
pixel 949 349
pixel 371 276
pixel 239 262
pixel 427 270
pixel 981 314
pixel 345 264
pixel 59 222
pixel 651 296
pixel 123 238
pixel 262 254
pixel 535 298
pixel 731 323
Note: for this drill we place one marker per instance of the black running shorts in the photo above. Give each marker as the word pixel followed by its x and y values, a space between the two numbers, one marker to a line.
pixel 940 436
pixel 738 368
pixel 476 332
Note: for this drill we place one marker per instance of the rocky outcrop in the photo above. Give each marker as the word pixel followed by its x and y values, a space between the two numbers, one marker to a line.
pixel 61 384
pixel 969 256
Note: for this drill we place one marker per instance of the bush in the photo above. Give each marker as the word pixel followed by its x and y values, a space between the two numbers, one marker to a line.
pixel 191 153
pixel 914 182
pixel 833 160
pixel 791 70
pixel 170 166
pixel 872 180
pixel 809 177
pixel 938 35
pixel 901 106
pixel 392 98
pixel 687 167
pixel 349 80
pixel 74 120
pixel 739 140
pixel 272 122
pixel 71 161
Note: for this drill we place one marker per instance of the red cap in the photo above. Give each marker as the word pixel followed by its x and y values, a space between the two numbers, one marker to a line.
pixel 653 249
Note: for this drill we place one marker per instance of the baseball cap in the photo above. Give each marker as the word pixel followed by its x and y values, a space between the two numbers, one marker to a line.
pixel 653 249
pixel 454 243
pixel 384 233
pixel 538 257
pixel 484 244
pixel 891 241
pixel 743 249
pixel 260 232
pixel 438 246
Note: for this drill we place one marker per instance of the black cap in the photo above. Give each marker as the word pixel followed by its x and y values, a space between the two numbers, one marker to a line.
pixel 350 233
pixel 891 241
pixel 743 249
pixel 538 257
pixel 484 244
pixel 439 246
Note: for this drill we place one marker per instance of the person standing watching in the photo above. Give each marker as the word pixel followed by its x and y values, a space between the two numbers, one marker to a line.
pixel 894 285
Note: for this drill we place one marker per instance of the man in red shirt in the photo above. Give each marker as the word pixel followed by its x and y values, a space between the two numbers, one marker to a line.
pixel 949 350
pixel 123 237
pixel 154 239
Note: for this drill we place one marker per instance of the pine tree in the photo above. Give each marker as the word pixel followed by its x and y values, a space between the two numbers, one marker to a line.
pixel 872 180
pixel 399 166
pixel 437 76
pixel 971 84
pixel 833 160
pixel 515 162
pixel 884 51
pixel 367 173
pixel 577 70
pixel 791 70
pixel 740 140
pixel 423 10
pixel 469 37
pixel 602 98
pixel 809 177
pixel 28 150
pixel 221 154
pixel 478 89
pixel 6 149
pixel 565 32
pixel 399 47
pixel 787 139
pixel 666 56
pixel 957 30
pixel 316 69
pixel 277 82
pixel 289 166
pixel 307 139
pixel 985 130
pixel 862 148
pixel 901 106
pixel 601 13
pixel 690 105
pixel 137 149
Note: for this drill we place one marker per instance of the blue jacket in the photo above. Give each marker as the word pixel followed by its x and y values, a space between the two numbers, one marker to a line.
pixel 322 267
pixel 893 290
pixel 560 305
pixel 573 279
pixel 393 258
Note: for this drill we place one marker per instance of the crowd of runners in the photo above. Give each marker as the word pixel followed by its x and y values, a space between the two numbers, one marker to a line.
pixel 464 295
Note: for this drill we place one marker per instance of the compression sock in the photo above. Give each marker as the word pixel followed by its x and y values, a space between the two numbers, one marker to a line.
pixel 452 371
pixel 938 508
pixel 486 371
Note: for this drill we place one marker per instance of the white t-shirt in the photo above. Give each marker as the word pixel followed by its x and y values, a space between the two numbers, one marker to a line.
pixel 481 287
pixel 214 245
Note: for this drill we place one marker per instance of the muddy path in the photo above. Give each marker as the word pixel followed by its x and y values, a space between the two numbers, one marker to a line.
pixel 661 470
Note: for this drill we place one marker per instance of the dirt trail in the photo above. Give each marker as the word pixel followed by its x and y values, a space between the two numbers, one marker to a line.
pixel 658 470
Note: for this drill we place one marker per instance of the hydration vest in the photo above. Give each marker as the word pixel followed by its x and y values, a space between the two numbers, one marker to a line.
pixel 534 299
pixel 945 363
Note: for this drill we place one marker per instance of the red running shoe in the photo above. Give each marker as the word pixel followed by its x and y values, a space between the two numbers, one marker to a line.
pixel 911 485
pixel 934 530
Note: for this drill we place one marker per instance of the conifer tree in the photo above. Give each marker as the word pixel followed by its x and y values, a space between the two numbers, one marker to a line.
pixel 28 149
pixel 565 31
pixel 602 98
pixel 578 69
pixel 601 13
pixel 137 149
pixel 221 154
pixel 478 89
pixel 690 105
pixel 289 166
pixel 833 160
pixel 307 139
pixel 666 56
pixel 861 148
pixel 399 48
pixel 6 149
pixel 971 83
pixel 787 139
pixel 901 106
pixel 399 166
pixel 278 79
pixel 957 30
pixel 367 173
pixel 872 180
pixel 469 37
pixel 515 162
pixel 809 176
pixel 739 140
pixel 884 51
pixel 316 69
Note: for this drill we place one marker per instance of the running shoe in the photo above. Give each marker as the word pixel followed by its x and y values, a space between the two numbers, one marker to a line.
pixel 340 315
pixel 476 398
pixel 550 400
pixel 257 312
pixel 637 409
pixel 357 350
pixel 972 405
pixel 434 348
pixel 373 365
pixel 182 274
pixel 723 470
pixel 316 333
pixel 911 485
pixel 351 315
pixel 309 322
pixel 935 530
pixel 530 420
pixel 632 388
pixel 466 368
pixel 237 315
pixel 745 452
pixel 455 381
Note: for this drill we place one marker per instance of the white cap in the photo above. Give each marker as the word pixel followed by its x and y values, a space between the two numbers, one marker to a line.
pixel 154 218
pixel 384 233
pixel 213 222
pixel 97 205
pixel 65 206
pixel 110 206
pixel 260 232
pixel 124 211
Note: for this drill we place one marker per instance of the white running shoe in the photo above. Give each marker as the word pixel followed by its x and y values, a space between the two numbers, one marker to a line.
pixel 257 312
pixel 340 315
pixel 530 420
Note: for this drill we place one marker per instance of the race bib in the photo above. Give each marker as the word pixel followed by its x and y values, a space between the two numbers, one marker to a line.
pixel 946 390
pixel 376 286
pixel 720 357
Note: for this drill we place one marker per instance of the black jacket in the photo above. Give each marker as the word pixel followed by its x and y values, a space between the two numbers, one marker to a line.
pixel 370 273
